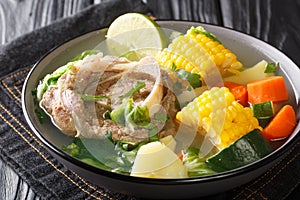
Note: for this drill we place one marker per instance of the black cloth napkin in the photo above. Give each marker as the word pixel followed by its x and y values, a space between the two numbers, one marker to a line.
pixel 29 158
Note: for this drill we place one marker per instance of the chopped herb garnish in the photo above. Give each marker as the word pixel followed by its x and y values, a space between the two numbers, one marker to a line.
pixel 271 67
pixel 201 30
pixel 140 115
pixel 192 78
pixel 87 97
pixel 139 85
pixel 41 115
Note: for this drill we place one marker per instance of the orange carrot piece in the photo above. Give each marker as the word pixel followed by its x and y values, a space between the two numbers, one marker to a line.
pixel 180 155
pixel 282 125
pixel 267 89
pixel 239 92
pixel 230 85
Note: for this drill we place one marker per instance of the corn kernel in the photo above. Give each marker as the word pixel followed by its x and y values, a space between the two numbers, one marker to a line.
pixel 216 106
pixel 197 48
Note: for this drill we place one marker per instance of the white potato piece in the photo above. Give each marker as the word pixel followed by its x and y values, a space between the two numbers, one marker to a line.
pixel 169 141
pixel 250 74
pixel 156 160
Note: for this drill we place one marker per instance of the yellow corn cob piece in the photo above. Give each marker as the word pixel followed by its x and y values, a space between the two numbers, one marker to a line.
pixel 217 112
pixel 225 60
pixel 196 50
pixel 186 54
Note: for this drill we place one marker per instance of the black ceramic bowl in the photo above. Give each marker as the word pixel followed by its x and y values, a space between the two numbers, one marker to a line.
pixel 248 49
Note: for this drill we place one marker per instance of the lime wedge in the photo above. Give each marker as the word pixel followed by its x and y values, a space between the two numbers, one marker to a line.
pixel 135 33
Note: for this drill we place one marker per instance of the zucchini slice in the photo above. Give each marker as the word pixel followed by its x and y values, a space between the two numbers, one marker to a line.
pixel 249 148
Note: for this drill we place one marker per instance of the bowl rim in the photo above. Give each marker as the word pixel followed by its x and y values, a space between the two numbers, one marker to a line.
pixel 174 181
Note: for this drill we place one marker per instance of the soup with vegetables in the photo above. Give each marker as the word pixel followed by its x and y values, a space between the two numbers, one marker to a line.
pixel 190 110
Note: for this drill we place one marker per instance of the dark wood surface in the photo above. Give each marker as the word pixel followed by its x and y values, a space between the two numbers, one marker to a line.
pixel 274 21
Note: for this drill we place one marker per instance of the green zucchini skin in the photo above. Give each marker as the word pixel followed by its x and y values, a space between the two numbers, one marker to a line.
pixel 247 149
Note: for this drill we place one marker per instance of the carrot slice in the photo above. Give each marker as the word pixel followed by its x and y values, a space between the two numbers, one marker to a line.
pixel 267 89
pixel 230 85
pixel 282 125
pixel 239 92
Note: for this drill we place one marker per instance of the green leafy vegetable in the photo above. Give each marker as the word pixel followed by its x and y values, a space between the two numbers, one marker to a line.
pixel 195 164
pixel 193 79
pixel 104 153
pixel 41 115
pixel 152 132
pixel 118 114
pixel 271 67
pixel 128 113
pixel 84 54
pixel 135 117
pixel 138 115
pixel 139 85
pixel 50 80
pixel 34 94
pixel 87 97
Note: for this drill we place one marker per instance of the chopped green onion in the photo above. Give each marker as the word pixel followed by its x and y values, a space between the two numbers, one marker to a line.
pixel 87 97
pixel 140 114
pixel 193 79
pixel 139 85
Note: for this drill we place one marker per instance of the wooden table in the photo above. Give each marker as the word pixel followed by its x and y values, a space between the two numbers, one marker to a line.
pixel 274 21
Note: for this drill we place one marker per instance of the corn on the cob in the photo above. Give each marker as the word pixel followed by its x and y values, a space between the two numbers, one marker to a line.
pixel 217 112
pixel 196 51
pixel 186 54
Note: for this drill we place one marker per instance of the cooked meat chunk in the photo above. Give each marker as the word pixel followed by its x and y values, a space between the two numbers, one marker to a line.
pixel 169 104
pixel 107 77
pixel 60 115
